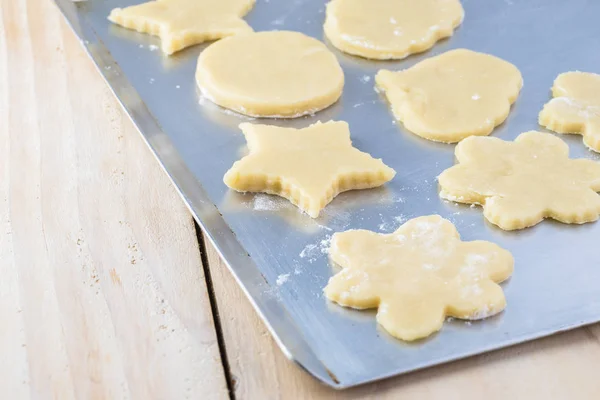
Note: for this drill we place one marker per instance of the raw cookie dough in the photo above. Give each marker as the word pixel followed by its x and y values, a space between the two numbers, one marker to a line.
pixel 184 23
pixel 522 182
pixel 390 29
pixel 270 74
pixel 418 275
pixel 449 97
pixel 309 166
pixel 575 107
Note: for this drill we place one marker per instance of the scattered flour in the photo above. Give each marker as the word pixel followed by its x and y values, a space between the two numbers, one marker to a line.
pixel 390 226
pixel 313 251
pixel 152 47
pixel 283 278
pixel 365 79
pixel 265 202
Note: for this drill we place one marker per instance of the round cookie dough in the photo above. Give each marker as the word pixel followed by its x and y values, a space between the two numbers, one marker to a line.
pixel 390 29
pixel 277 74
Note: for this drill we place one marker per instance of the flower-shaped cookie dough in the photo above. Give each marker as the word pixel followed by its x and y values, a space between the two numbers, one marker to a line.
pixel 418 275
pixel 384 29
pixel 522 182
pixel 449 97
pixel 575 107
pixel 184 23
pixel 309 166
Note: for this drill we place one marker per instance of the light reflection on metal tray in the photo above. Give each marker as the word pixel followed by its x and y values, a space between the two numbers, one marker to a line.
pixel 263 239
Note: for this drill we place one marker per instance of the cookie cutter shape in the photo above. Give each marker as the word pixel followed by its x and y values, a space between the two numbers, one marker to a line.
pixel 522 182
pixel 452 96
pixel 276 74
pixel 309 166
pixel 384 29
pixel 183 23
pixel 575 107
pixel 418 276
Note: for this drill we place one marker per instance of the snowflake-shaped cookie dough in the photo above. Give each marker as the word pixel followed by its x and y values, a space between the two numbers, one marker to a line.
pixel 522 182
pixel 184 23
pixel 575 107
pixel 418 275
pixel 309 166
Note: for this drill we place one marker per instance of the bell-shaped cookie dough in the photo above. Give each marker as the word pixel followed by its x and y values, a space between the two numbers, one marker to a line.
pixel 522 182
pixel 309 166
pixel 452 96
pixel 270 74
pixel 184 23
pixel 418 275
pixel 386 29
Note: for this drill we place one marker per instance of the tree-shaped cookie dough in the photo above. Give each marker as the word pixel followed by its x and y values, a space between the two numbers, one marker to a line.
pixel 384 29
pixel 575 107
pixel 184 23
pixel 309 166
pixel 418 275
pixel 522 182
pixel 449 97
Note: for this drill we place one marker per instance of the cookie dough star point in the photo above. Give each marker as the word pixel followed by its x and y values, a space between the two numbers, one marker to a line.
pixel 307 166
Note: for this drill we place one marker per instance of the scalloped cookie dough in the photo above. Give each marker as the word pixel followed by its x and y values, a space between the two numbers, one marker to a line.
pixel 522 182
pixel 183 23
pixel 385 29
pixel 452 96
pixel 418 276
pixel 277 74
pixel 575 107
pixel 309 166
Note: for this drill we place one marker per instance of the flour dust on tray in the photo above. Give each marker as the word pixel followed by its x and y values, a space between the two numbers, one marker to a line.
pixel 418 276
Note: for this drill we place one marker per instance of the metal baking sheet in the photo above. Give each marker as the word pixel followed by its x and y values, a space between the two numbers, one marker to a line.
pixel 277 254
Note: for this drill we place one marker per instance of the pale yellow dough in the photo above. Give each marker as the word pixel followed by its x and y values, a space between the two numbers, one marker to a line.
pixel 184 23
pixel 270 74
pixel 390 29
pixel 575 107
pixel 309 166
pixel 418 275
pixel 449 97
pixel 522 182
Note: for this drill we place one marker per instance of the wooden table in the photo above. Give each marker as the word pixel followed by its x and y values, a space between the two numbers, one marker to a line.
pixel 107 289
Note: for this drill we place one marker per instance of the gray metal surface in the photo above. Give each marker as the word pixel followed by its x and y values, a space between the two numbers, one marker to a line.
pixel 276 253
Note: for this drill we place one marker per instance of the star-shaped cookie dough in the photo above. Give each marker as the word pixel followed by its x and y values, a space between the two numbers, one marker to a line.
pixel 522 182
pixel 449 97
pixel 184 23
pixel 309 166
pixel 575 107
pixel 418 275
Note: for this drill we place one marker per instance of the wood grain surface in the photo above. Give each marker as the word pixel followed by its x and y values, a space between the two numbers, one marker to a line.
pixel 102 289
